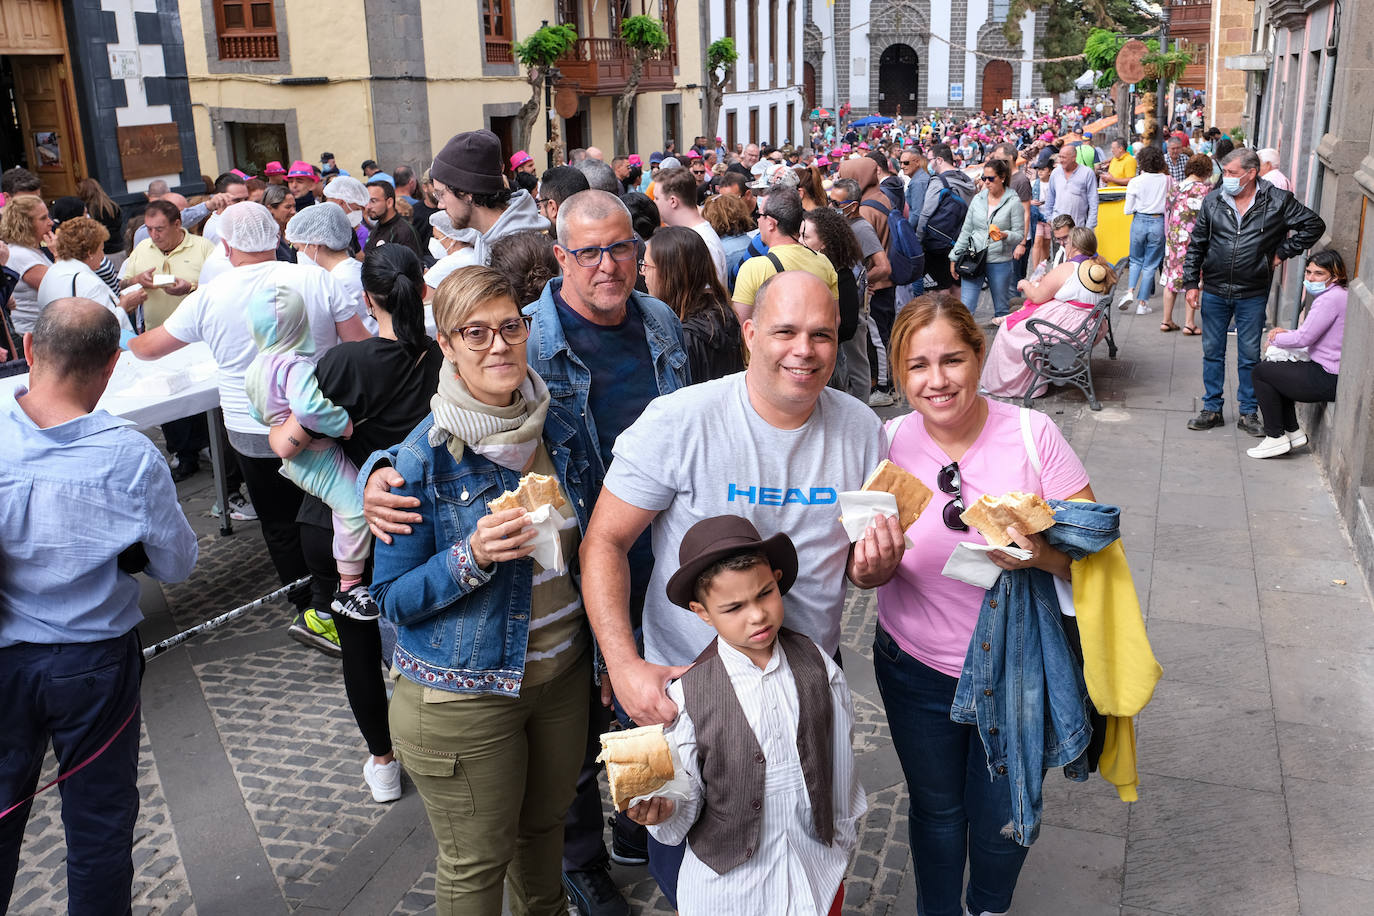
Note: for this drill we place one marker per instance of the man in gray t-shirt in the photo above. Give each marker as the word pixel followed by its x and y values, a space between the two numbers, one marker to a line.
pixel 772 444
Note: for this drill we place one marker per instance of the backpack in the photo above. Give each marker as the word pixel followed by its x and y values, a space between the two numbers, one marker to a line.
pixel 947 220
pixel 904 250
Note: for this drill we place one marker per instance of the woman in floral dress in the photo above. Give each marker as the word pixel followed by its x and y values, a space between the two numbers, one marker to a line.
pixel 1180 216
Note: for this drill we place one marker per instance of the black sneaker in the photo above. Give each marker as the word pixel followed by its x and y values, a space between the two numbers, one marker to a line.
pixel 1250 423
pixel 185 470
pixel 1207 419
pixel 356 603
pixel 593 892
pixel 628 847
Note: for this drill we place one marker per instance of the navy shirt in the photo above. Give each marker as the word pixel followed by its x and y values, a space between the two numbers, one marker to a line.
pixel 623 384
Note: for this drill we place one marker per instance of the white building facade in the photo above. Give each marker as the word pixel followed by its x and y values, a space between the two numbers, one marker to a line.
pixel 911 56
pixel 765 100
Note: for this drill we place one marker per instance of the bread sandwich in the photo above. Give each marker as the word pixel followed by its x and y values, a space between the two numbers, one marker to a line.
pixel 992 515
pixel 638 762
pixel 912 495
pixel 535 490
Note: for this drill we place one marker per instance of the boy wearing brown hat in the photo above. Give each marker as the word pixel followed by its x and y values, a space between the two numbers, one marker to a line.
pixel 764 735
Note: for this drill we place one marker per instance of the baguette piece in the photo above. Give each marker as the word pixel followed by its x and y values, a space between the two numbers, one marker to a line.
pixel 992 515
pixel 912 495
pixel 637 762
pixel 534 491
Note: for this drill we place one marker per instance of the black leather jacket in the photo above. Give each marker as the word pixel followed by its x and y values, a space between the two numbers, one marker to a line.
pixel 1236 261
pixel 714 343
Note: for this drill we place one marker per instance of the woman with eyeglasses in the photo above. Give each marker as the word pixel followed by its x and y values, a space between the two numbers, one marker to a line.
pixel 489 715
pixel 966 446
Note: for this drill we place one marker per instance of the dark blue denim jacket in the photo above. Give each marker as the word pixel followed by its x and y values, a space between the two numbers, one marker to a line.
pixel 460 627
pixel 1021 684
pixel 569 379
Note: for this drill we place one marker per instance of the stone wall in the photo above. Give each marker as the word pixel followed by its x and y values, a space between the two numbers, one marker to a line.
pixel 1235 35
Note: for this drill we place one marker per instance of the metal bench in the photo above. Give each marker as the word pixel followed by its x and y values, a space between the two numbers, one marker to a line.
pixel 1063 356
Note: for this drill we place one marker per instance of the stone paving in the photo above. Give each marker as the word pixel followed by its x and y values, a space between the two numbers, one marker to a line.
pixel 1254 755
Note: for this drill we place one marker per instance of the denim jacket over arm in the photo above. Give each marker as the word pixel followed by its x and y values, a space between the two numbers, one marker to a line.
pixel 569 379
pixel 1021 684
pixel 463 628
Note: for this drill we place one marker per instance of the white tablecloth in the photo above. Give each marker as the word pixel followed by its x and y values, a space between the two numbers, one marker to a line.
pixel 148 393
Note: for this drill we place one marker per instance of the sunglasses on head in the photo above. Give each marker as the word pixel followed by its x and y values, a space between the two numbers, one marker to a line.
pixel 951 483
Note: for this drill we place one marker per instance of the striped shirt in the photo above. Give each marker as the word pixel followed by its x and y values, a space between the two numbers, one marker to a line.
pixel 792 872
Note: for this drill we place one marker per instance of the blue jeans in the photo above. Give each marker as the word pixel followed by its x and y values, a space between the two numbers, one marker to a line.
pixel 1216 318
pixel 1147 253
pixel 957 810
pixel 77 694
pixel 999 276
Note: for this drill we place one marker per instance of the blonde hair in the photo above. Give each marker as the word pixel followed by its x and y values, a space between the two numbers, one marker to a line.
pixel 16 221
pixel 922 312
pixel 464 291
pixel 79 238
pixel 1084 241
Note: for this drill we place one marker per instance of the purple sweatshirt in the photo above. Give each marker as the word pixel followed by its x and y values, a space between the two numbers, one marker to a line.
pixel 1321 332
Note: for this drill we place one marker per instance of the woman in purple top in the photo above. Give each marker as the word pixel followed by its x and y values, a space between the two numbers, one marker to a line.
pixel 1279 385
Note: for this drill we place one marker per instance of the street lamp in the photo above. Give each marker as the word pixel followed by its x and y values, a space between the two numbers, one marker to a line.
pixel 551 75
pixel 1162 101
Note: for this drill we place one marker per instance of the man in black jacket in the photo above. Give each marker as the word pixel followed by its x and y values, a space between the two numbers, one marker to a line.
pixel 1242 234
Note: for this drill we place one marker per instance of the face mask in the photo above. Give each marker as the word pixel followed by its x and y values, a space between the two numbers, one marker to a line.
pixel 1315 287
pixel 355 218
pixel 930 168
pixel 437 249
pixel 303 258
pixel 1230 184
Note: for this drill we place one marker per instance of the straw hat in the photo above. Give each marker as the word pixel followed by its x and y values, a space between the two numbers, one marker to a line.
pixel 1093 276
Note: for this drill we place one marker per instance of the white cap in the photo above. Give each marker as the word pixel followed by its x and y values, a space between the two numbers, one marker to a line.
pixel 349 190
pixel 249 227
pixel 320 225
pixel 670 162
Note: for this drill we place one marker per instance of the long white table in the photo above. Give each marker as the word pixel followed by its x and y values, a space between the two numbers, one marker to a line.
pixel 152 392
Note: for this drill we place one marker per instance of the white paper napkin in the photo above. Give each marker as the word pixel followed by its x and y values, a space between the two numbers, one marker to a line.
pixel 679 788
pixel 548 546
pixel 970 563
pixel 859 509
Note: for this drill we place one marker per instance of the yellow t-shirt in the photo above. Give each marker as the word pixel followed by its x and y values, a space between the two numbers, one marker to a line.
pixel 1122 167
pixel 755 271
pixel 183 262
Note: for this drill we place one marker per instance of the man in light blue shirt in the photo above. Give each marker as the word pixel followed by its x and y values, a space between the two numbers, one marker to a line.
pixel 85 501
pixel 1072 190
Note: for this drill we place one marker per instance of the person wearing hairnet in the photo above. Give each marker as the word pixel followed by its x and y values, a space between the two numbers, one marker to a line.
pixel 320 236
pixel 451 249
pixel 351 197
pixel 214 313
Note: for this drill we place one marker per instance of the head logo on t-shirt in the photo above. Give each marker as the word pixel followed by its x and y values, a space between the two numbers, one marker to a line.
pixel 781 496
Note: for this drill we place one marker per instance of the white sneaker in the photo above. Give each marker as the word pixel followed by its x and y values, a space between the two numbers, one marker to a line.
pixel 1143 309
pixel 383 779
pixel 881 398
pixel 1297 439
pixel 1271 447
pixel 1126 300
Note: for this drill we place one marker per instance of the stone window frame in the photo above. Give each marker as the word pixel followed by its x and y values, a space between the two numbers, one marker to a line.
pixel 282 65
pixel 219 131
pixel 886 33
pixel 489 69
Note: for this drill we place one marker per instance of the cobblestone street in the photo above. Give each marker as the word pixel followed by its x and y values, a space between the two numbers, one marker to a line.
pixel 1254 755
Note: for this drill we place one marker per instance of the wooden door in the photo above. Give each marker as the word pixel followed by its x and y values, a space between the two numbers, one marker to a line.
pixel 43 97
pixel 996 85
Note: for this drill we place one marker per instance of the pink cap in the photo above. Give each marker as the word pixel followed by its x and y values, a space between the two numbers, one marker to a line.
pixel 274 168
pixel 823 162
pixel 301 169
pixel 693 154
pixel 242 174
pixel 635 160
pixel 520 159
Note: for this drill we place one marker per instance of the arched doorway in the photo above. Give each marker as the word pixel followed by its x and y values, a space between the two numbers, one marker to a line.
pixel 809 85
pixel 996 85
pixel 897 77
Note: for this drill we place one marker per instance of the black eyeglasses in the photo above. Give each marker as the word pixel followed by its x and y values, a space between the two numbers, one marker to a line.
pixel 951 483
pixel 479 337
pixel 591 255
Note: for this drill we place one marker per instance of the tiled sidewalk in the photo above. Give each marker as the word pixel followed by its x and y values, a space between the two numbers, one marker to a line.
pixel 1254 756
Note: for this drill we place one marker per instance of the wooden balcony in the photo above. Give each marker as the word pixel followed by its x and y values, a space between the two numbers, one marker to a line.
pixel 248 46
pixel 601 66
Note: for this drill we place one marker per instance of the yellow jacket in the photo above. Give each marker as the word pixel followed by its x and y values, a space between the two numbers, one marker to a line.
pixel 1118 665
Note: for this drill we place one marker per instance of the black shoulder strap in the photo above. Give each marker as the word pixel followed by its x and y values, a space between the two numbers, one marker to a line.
pixel 777 263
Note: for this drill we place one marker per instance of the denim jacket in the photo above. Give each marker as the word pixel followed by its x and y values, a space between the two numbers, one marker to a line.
pixel 570 381
pixel 1021 684
pixel 463 628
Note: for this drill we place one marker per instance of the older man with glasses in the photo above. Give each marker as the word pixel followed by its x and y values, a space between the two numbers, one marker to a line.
pixel 605 351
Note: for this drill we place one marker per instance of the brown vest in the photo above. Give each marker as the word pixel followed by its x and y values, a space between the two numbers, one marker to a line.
pixel 733 767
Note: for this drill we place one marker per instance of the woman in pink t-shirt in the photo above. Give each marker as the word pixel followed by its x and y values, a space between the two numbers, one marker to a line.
pixel 967 445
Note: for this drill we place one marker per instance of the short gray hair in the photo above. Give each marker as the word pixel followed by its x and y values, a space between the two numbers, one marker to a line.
pixel 594 204
pixel 600 176
pixel 1269 156
pixel 1245 156
pixel 849 186
pixel 75 337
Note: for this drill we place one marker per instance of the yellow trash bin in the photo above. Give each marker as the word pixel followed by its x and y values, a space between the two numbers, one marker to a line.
pixel 1113 225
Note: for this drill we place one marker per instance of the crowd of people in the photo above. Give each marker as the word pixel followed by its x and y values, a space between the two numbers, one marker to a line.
pixel 690 347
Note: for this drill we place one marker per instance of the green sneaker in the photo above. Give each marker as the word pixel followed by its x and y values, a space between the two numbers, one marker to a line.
pixel 310 629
